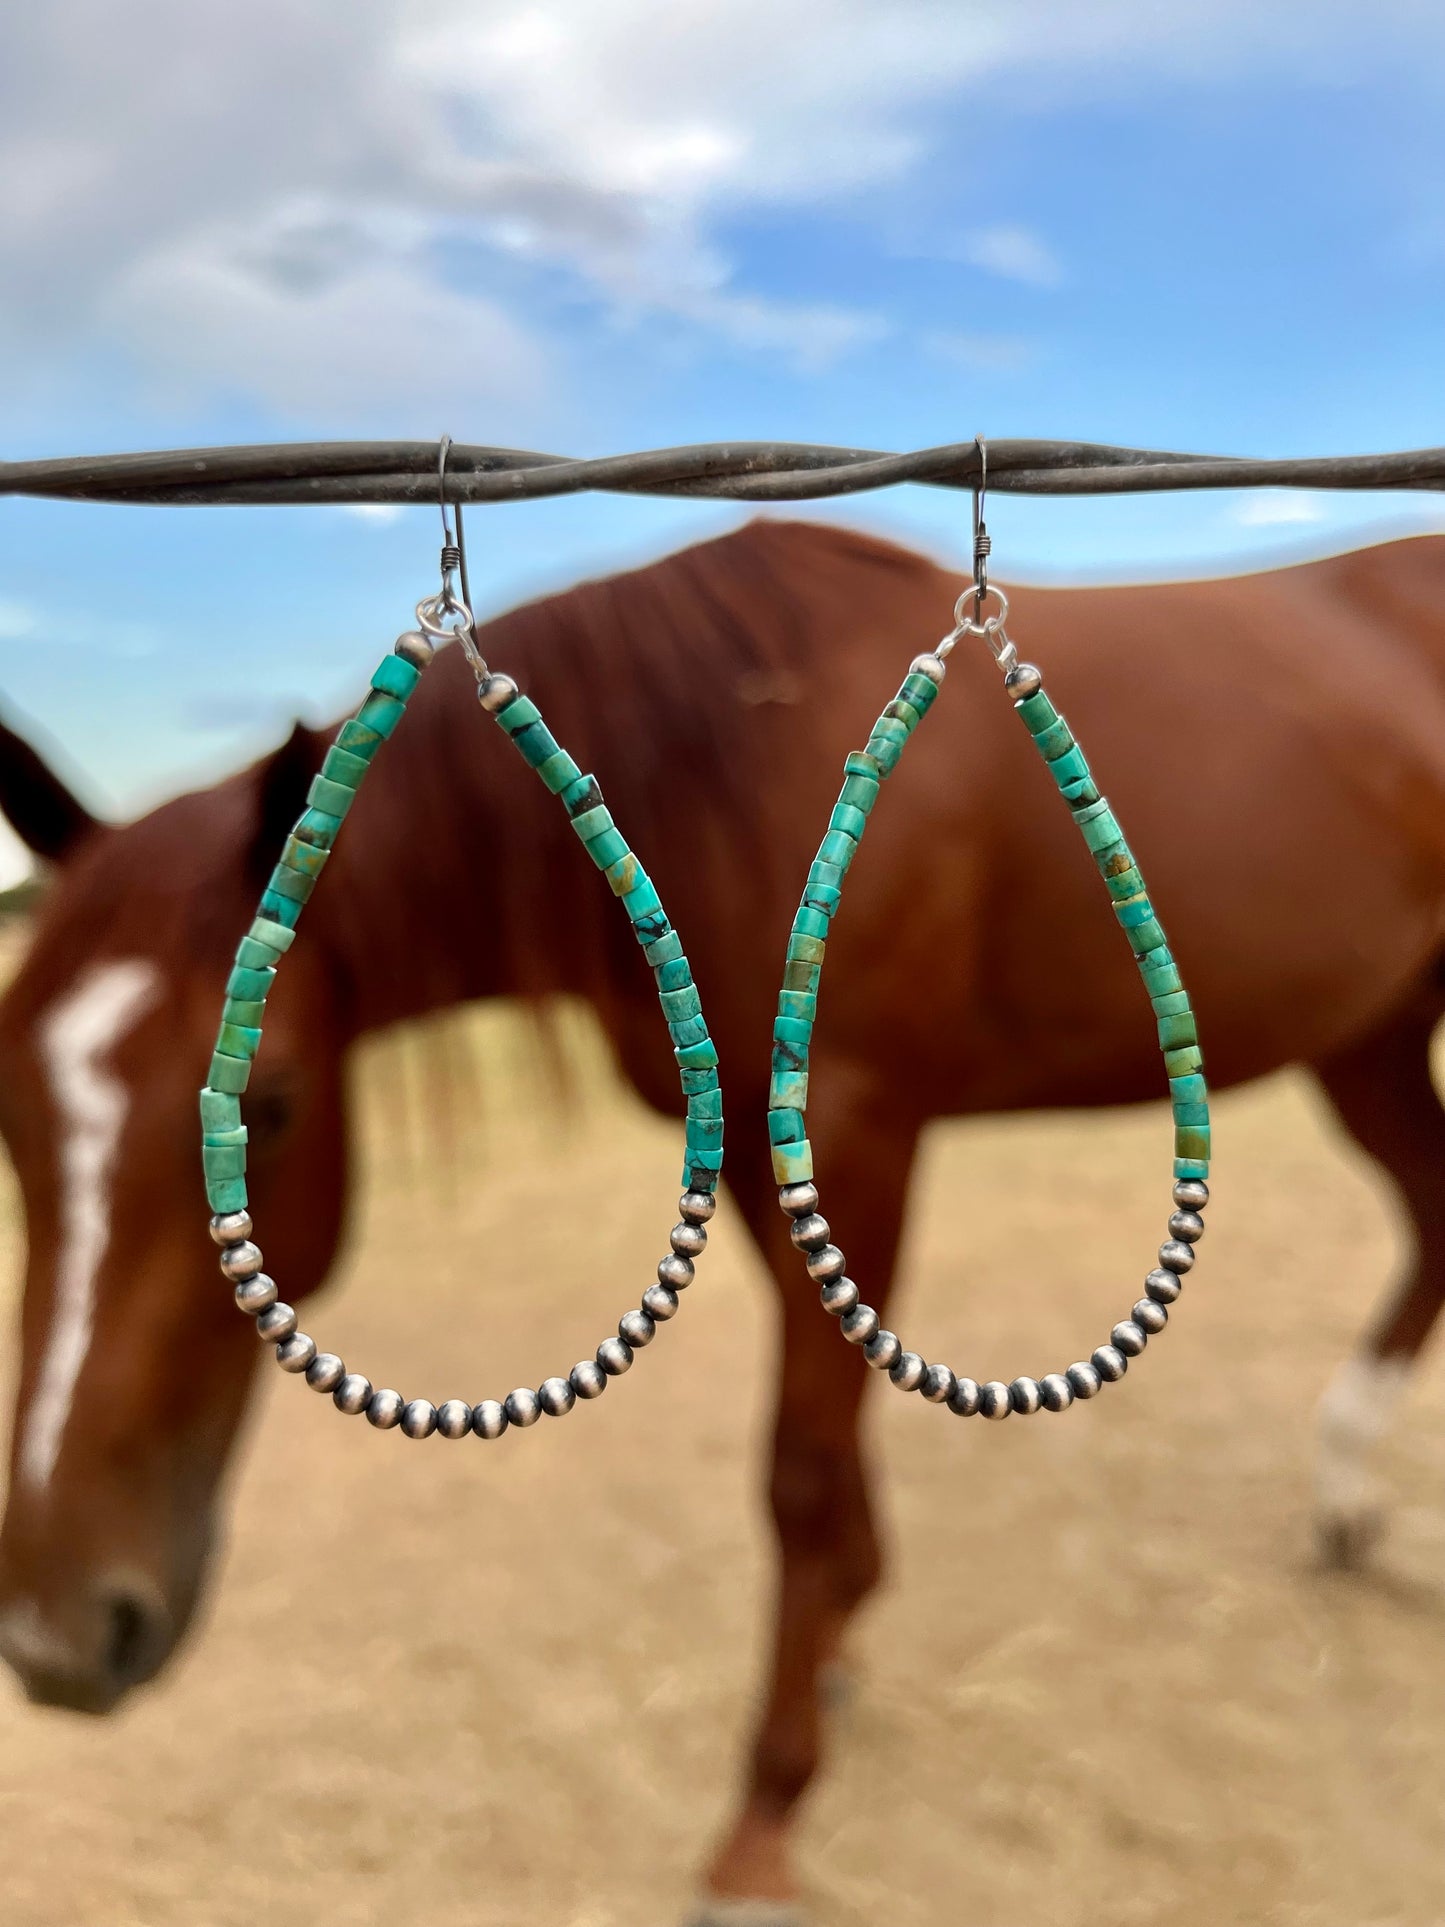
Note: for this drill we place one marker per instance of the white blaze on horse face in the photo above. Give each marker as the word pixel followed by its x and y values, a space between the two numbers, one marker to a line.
pixel 76 1035
pixel 1357 1406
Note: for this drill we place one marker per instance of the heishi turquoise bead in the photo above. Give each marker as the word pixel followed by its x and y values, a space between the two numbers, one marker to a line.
pixel 1190 1089
pixel 520 713
pixel 1037 712
pixel 380 713
pixel 701 1169
pixel 837 847
pixel 921 691
pixel 215 1140
pixel 805 949
pixel 677 1004
pixel 810 923
pixel 697 1082
pixel 887 750
pixel 859 793
pixel 798 975
pixel 340 766
pixel 792 1030
pixel 607 847
pixel 642 902
pixel 1160 980
pixel 226 1194
pixel 789 1057
pixel 849 821
pixel 1114 860
pixel 286 882
pixel 237 1040
pixel 793 1163
pixel 318 827
pixel 888 729
pixel 1180 1063
pixel 274 935
pixel 305 857
pixel 1069 768
pixel 248 985
pixel 1085 791
pixel 231 1074
pixel 394 676
pixel 1191 1113
pixel 687 1030
pixel 1138 910
pixel 675 975
pixel 1191 1168
pixel 559 772
pixel 1148 935
pixel 697 1057
pixel 357 740
pixel 902 711
pixel 800 1005
pixel 280 909
pixel 224 1160
pixel 220 1110
pixel 584 794
pixel 827 875
pixel 1176 1032
pixel 1098 824
pixel 664 949
pixel 861 762
pixel 537 744
pixel 705 1104
pixel 335 798
pixel 786 1127
pixel 623 874
pixel 1055 739
pixel 703 1134
pixel 593 822
pixel 1191 1140
pixel 821 897
pixel 1170 1003
pixel 1128 883
pixel 255 956
pixel 249 1014
pixel 788 1090
pixel 647 929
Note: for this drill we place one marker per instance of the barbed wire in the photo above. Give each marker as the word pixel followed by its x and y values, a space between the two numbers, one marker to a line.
pixel 383 472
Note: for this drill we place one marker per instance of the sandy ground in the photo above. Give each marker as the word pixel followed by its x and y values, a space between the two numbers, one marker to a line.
pixel 1105 1681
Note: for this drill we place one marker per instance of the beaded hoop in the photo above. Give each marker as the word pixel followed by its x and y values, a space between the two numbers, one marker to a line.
pixel 865 771
pixel 223 1153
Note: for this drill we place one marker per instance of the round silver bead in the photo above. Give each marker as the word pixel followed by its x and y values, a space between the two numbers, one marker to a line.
pixel 614 1355
pixel 1148 1316
pixel 276 1322
pixel 1187 1225
pixel 883 1350
pixel 414 647
pixel 1055 1391
pixel 636 1328
pixel 1085 1380
pixel 1175 1255
pixel 352 1395
pixel 454 1418
pixel 1191 1194
pixel 384 1409
pixel 1024 1395
pixel 1163 1286
pixel 241 1260
pixel 993 1400
pixel 931 666
pixel 860 1326
pixel 587 1379
pixel 675 1272
pixel 231 1227
pixel 965 1396
pixel 556 1397
pixel 660 1303
pixel 938 1381
pixel 295 1353
pixel 839 1295
pixel 489 1418
pixel 523 1406
pixel 1128 1338
pixel 907 1371
pixel 797 1200
pixel 810 1232
pixel 697 1206
pixel 253 1295
pixel 325 1372
pixel 1023 681
pixel 1109 1362
pixel 826 1263
pixel 496 692
pixel 419 1418
pixel 688 1240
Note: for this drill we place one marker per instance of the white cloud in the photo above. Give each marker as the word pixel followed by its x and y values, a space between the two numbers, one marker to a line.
pixel 1015 254
pixel 988 354
pixel 1277 508
pixel 17 621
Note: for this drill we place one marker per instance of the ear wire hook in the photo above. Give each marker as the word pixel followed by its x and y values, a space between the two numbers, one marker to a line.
pixel 454 541
pixel 982 543
pixel 433 611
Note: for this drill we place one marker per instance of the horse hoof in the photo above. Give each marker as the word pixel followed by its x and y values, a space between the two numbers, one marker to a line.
pixel 1346 1540
pixel 736 1910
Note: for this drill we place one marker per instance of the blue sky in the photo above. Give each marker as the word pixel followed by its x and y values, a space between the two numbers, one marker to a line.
pixel 602 224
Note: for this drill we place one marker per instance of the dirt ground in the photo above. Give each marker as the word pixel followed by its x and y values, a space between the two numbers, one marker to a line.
pixel 479 1684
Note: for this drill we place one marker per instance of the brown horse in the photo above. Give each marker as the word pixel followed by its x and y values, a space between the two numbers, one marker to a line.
pixel 1275 745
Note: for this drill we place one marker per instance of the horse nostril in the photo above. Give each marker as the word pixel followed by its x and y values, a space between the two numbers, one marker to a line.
pixel 136 1638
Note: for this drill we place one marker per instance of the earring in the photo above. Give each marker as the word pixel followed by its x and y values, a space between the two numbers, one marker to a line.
pixel 269 938
pixel 865 771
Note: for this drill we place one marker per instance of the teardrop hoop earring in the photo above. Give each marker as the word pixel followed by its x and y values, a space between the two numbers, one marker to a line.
pixel 270 936
pixel 865 771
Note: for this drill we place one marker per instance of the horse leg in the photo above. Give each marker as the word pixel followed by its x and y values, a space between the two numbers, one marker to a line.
pixel 827 1544
pixel 1382 1091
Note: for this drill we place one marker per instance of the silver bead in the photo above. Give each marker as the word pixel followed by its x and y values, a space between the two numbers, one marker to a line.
pixel 242 1260
pixel 938 1380
pixel 1129 1338
pixel 587 1378
pixel 556 1397
pixel 419 1418
pixel 810 1232
pixel 797 1200
pixel 295 1353
pixel 1109 1363
pixel 352 1395
pixel 1163 1286
pixel 839 1295
pixel 489 1418
pixel 325 1372
pixel 1148 1316
pixel 697 1206
pixel 964 1397
pixel 414 647
pixel 384 1409
pixel 993 1400
pixel 907 1371
pixel 883 1350
pixel 614 1355
pixel 1024 1396
pixel 675 1272
pixel 1191 1194
pixel 660 1303
pixel 1175 1255
pixel 860 1326
pixel 825 1263
pixel 231 1227
pixel 1187 1225
pixel 687 1240
pixel 636 1328
pixel 928 665
pixel 1022 681
pixel 253 1295
pixel 523 1406
pixel 496 692
pixel 276 1322
pixel 1056 1392
pixel 1085 1380
pixel 454 1418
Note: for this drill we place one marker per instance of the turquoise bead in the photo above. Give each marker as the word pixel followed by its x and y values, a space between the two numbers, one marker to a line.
pixel 215 1140
pixel 859 762
pixel 1170 1003
pixel 889 729
pixel 236 1011
pixel 697 1057
pixel 1098 825
pixel 1180 1063
pixel 255 956
pixel 1191 1140
pixel 848 821
pixel 593 822
pixel 236 1040
pixel 394 676
pixel 1176 1032
pixel 1114 859
pixel 280 909
pixel 703 1134
pixel 584 794
pixel 1069 768
pixel 687 1030
pixel 810 923
pixel 705 1104
pixel 826 874
pixel 798 975
pixel 675 975
pixel 608 847
pixel 789 1057
pixel 921 691
pixel 665 949
pixel 1137 911
pixel 1160 980
pixel 1078 795
pixel 248 985
pixel 318 827
pixel 696 1082
pixel 788 1090
pixel 623 875
pixel 647 928
pixel 800 1005
pixel 822 898
pixel 274 935
pixel 903 711
pixel 286 882
pixel 559 772
pixel 1191 1113
pixel 677 1004
pixel 380 713
pixel 700 1172
pixel 1191 1168
pixel 786 1127
pixel 792 1030
pixel 340 766
pixel 226 1194
pixel 305 857
pixel 802 949
pixel 1189 1089
pixel 838 848
pixel 229 1074
pixel 1055 739
pixel 1147 936
pixel 537 744
pixel 887 750
pixel 859 793
pixel 220 1110
pixel 1128 883
pixel 357 740
pixel 642 900
pixel 520 713
pixel 334 798
pixel 224 1160
pixel 793 1163
pixel 1037 712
